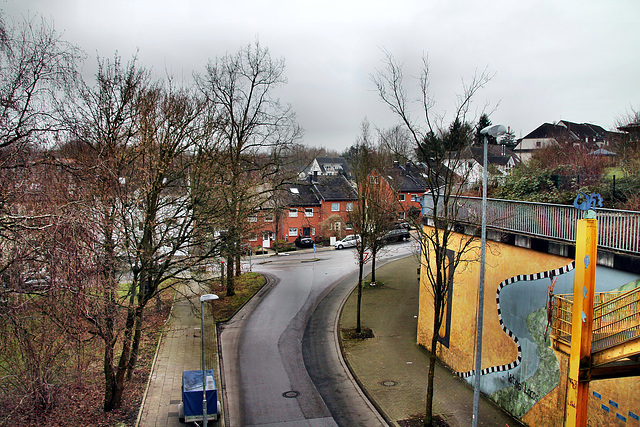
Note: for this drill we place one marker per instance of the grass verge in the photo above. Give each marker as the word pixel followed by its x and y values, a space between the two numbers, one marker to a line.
pixel 246 286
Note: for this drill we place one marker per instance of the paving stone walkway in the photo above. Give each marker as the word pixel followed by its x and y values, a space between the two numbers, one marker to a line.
pixel 180 350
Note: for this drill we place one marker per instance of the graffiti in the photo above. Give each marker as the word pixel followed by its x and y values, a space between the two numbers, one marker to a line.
pixel 524 388
pixel 587 203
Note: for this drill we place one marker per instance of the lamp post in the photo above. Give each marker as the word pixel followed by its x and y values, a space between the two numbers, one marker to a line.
pixel 494 131
pixel 203 298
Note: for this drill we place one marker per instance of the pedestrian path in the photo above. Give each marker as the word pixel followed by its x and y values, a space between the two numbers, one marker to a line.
pixel 392 369
pixel 180 350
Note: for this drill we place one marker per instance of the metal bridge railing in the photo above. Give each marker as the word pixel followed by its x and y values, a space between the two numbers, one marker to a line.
pixel 618 230
pixel 616 318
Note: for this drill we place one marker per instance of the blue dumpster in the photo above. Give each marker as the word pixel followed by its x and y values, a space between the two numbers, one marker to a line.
pixel 191 407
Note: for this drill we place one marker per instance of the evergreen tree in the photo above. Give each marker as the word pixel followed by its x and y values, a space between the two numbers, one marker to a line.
pixel 483 122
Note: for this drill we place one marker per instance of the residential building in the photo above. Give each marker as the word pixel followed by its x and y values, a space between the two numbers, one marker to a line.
pixel 326 166
pixel 409 182
pixel 593 136
pixel 500 161
pixel 316 207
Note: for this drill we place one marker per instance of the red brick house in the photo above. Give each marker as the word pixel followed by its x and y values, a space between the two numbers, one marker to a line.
pixel 409 185
pixel 317 207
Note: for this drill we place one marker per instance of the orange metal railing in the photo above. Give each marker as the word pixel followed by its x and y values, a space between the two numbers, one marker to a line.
pixel 616 318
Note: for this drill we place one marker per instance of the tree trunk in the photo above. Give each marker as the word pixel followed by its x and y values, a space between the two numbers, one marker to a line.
pixel 117 384
pixel 358 324
pixel 373 267
pixel 110 386
pixel 230 290
pixel 428 417
pixel 437 322
pixel 133 358
pixel 238 269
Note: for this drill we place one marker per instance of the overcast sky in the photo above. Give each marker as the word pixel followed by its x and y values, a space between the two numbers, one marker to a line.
pixel 575 60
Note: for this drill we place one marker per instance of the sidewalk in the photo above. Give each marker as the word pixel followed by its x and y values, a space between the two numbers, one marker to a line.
pixel 180 350
pixel 392 369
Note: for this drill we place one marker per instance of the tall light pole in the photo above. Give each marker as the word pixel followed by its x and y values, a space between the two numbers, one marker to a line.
pixel 494 131
pixel 203 298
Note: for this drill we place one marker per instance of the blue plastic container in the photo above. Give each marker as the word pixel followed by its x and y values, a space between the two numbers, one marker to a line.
pixel 192 395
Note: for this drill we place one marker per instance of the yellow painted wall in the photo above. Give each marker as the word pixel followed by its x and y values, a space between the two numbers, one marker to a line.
pixel 503 262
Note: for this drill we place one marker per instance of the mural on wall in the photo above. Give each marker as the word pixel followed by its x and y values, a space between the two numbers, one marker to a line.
pixel 522 312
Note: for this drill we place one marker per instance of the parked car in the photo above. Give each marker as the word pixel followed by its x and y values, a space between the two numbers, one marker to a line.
pixel 397 235
pixel 402 224
pixel 348 242
pixel 304 242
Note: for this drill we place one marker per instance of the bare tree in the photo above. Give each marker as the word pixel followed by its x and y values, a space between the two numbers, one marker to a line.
pixel 255 132
pixel 104 123
pixel 432 141
pixel 628 144
pixel 374 210
pixel 36 69
pixel 398 144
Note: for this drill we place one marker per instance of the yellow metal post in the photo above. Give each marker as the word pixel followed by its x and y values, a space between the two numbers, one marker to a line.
pixel 582 321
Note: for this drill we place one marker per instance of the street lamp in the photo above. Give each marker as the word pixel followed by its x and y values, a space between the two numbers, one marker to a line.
pixel 494 131
pixel 203 298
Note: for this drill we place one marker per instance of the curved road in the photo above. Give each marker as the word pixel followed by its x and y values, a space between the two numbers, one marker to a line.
pixel 266 381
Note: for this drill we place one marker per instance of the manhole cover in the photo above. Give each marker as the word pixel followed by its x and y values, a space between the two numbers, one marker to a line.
pixel 389 383
pixel 291 394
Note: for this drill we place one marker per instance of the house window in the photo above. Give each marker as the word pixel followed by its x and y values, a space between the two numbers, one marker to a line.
pixel 253 237
pixel 293 213
pixel 335 207
pixel 293 232
pixel 413 197
pixel 348 226
pixel 308 212
pixel 268 217
pixel 313 231
pixel 374 179
pixel 401 197
pixel 401 215
pixel 253 218
pixel 349 206
pixel 538 143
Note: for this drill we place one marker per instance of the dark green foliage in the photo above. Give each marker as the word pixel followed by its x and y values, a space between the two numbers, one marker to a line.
pixel 483 122
pixel 432 147
pixel 459 135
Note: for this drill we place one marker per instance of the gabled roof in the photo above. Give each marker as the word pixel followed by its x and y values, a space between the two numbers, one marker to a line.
pixel 407 178
pixel 300 194
pixel 323 161
pixel 334 187
pixel 496 154
pixel 549 130
pixel 585 131
pixel 569 131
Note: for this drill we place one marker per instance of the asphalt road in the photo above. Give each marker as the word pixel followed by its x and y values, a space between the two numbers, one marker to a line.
pixel 266 381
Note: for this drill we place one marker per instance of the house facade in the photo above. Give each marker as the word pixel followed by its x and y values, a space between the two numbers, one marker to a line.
pixel 317 207
pixel 593 136
pixel 326 166
pixel 470 165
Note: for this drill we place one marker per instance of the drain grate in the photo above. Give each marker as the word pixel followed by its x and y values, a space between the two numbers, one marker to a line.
pixel 389 383
pixel 291 394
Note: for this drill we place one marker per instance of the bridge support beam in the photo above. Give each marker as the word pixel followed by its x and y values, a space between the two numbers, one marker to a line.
pixel 582 322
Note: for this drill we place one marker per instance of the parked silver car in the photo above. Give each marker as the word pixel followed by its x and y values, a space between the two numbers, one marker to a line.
pixel 350 241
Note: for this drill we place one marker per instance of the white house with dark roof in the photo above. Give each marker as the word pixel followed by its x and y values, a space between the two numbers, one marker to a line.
pixel 500 161
pixel 326 166
pixel 588 134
